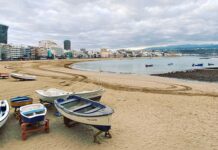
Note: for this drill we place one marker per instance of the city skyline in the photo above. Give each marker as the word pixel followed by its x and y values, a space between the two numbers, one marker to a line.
pixel 111 24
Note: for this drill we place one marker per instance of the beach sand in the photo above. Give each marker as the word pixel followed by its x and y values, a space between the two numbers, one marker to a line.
pixel 153 113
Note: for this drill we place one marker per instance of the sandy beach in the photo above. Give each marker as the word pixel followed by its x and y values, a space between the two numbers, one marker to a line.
pixel 151 112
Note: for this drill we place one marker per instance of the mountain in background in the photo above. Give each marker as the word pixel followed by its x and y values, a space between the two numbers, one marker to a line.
pixel 202 49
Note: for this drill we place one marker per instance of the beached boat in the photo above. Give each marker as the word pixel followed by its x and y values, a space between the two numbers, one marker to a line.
pixel 85 111
pixel 23 77
pixel 149 65
pixel 33 113
pixel 51 94
pixel 4 112
pixel 197 65
pixel 19 101
pixel 4 75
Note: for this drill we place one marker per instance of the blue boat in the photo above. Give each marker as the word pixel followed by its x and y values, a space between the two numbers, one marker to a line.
pixel 197 65
pixel 33 113
pixel 19 101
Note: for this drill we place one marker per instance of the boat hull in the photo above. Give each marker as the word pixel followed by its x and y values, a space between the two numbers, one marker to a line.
pixel 93 95
pixel 19 104
pixel 22 102
pixel 4 118
pixel 4 121
pixel 95 121
pixel 33 120
pixel 22 77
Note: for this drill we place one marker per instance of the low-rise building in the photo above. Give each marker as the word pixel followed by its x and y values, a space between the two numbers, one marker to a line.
pixel 41 53
pixel 16 52
pixel 57 52
pixel 105 53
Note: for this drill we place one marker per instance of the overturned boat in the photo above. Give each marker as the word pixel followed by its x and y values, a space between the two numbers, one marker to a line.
pixel 4 112
pixel 51 94
pixel 22 77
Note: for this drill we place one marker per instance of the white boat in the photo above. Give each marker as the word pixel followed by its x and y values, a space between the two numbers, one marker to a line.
pixel 85 111
pixel 4 112
pixel 23 77
pixel 51 94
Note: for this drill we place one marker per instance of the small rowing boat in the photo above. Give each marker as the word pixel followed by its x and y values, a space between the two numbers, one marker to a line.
pixel 4 75
pixel 86 111
pixel 210 64
pixel 4 112
pixel 19 101
pixel 197 65
pixel 149 65
pixel 51 94
pixel 23 77
pixel 33 113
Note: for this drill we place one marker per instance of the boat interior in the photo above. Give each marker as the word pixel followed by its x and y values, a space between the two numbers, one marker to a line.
pixel 52 92
pixel 80 106
pixel 2 108
pixel 34 112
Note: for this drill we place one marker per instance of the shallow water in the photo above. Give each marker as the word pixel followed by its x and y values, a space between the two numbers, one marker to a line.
pixel 137 65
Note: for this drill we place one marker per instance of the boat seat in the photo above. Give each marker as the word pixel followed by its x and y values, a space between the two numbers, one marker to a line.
pixel 68 101
pixel 81 107
pixel 33 111
pixel 92 110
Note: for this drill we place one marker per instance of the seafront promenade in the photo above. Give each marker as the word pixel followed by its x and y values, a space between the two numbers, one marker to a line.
pixel 150 112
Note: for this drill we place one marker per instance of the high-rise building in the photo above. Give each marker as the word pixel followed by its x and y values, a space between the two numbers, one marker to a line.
pixel 3 34
pixel 67 45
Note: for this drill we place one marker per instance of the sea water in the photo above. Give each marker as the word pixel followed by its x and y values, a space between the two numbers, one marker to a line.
pixel 137 65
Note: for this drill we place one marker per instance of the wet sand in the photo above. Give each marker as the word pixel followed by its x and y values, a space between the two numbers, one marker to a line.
pixel 150 112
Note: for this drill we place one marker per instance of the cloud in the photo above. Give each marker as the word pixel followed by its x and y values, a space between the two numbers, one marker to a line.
pixel 111 23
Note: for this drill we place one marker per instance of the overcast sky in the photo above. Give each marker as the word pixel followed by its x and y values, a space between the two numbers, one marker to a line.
pixel 111 23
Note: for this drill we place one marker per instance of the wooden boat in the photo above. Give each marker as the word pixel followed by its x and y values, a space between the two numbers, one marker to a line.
pixel 23 77
pixel 19 101
pixel 4 75
pixel 4 112
pixel 197 65
pixel 33 113
pixel 85 111
pixel 51 94
pixel 149 65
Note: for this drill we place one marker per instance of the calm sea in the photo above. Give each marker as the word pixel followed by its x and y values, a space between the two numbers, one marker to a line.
pixel 137 65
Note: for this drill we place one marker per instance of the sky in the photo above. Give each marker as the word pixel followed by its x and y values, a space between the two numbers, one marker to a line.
pixel 111 24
